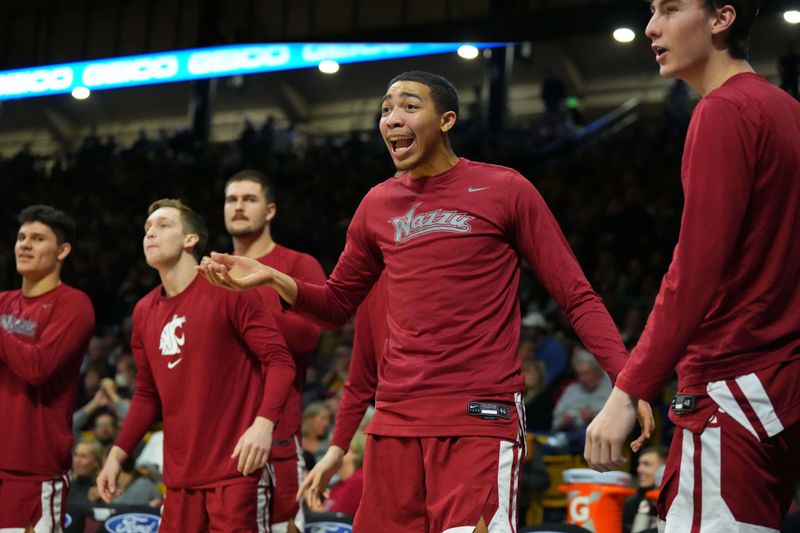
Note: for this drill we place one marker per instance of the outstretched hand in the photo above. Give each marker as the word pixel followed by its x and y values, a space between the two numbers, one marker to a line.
pixel 234 272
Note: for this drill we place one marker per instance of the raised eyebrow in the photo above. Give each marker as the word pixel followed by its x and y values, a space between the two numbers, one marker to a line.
pixel 404 94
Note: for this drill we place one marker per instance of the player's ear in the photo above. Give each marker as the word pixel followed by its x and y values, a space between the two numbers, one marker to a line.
pixel 722 19
pixel 272 210
pixel 190 240
pixel 448 121
pixel 63 251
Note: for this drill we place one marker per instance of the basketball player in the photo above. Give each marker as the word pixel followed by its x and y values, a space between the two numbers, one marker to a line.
pixel 200 351
pixel 249 211
pixel 447 437
pixel 45 328
pixel 727 312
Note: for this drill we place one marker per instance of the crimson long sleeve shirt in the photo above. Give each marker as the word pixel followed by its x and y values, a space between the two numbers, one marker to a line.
pixel 730 301
pixel 200 357
pixel 42 343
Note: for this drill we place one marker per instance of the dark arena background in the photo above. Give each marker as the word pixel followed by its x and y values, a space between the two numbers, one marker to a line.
pixel 555 89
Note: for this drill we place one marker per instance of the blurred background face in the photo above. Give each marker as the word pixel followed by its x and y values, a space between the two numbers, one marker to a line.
pixel 648 465
pixel 588 376
pixel 246 208
pixel 84 463
pixel 164 237
pixel 105 429
pixel 320 423
pixel 36 250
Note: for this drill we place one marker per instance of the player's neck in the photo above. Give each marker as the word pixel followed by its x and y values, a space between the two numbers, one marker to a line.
pixel 177 277
pixel 254 246
pixel 718 69
pixel 32 287
pixel 440 163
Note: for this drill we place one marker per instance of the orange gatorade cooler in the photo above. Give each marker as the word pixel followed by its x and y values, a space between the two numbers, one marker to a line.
pixel 595 499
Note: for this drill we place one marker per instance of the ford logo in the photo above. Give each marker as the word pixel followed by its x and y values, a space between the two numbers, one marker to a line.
pixel 133 523
pixel 67 520
pixel 328 527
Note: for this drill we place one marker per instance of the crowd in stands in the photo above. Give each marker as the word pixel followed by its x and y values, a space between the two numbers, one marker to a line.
pixel 618 202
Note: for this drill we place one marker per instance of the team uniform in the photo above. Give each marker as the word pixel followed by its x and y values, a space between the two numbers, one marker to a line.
pixel 449 415
pixel 201 357
pixel 371 334
pixel 301 336
pixel 727 317
pixel 42 343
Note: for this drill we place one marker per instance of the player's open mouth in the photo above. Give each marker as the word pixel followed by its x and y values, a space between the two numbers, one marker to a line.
pixel 660 52
pixel 401 145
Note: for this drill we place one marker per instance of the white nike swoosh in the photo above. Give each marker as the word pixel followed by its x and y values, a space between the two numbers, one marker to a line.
pixel 476 189
pixel 173 364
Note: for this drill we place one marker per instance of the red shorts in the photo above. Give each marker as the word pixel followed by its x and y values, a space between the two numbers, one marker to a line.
pixel 238 507
pixel 737 471
pixel 439 484
pixel 288 476
pixel 39 504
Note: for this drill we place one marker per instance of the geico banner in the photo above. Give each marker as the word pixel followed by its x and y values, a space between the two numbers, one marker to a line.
pixel 199 63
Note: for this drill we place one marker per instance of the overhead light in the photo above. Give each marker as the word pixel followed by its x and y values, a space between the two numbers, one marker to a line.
pixel 624 35
pixel 792 17
pixel 329 66
pixel 467 51
pixel 81 93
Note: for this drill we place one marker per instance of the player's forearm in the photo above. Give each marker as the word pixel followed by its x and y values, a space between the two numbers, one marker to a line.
pixel 265 424
pixel 118 454
pixel 285 286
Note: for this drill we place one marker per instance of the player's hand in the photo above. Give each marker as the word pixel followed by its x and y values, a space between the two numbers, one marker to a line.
pixel 317 480
pixel 254 445
pixel 608 431
pixel 107 479
pixel 234 272
pixel 644 415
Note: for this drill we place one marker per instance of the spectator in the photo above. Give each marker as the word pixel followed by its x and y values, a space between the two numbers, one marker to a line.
pixel 580 402
pixel 548 349
pixel 316 423
pixel 87 458
pixel 538 398
pixel 105 428
pixel 650 459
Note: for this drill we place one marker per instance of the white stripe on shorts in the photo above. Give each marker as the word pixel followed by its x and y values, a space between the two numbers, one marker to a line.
pixel 264 491
pixel 506 486
pixel 754 391
pixel 723 397
pixel 715 515
pixel 52 500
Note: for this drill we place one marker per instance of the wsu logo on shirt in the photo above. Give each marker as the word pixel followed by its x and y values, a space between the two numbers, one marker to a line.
pixel 413 225
pixel 170 342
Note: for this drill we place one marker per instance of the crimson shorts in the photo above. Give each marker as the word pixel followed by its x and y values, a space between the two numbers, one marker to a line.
pixel 40 504
pixel 737 472
pixel 439 484
pixel 288 476
pixel 237 507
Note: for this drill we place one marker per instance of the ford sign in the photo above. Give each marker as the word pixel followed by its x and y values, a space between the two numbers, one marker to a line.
pixel 133 523
pixel 328 527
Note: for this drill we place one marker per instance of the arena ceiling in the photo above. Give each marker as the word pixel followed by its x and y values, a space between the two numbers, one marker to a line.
pixel 570 36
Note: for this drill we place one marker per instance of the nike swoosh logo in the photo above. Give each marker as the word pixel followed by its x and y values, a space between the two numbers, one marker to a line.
pixel 476 189
pixel 173 364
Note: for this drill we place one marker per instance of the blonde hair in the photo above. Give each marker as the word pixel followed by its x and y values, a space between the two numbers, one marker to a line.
pixel 310 413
